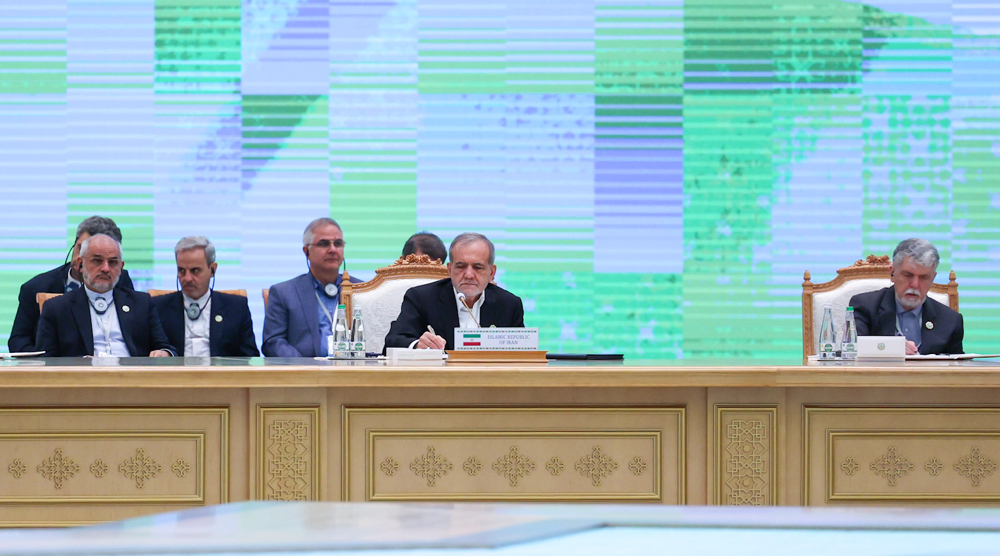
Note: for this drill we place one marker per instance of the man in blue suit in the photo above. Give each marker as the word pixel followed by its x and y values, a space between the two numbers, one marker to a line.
pixel 301 311
pixel 100 319
pixel 199 321
pixel 62 279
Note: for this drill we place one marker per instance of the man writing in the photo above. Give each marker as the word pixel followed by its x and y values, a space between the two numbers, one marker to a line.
pixel 202 322
pixel 62 279
pixel 100 319
pixel 466 299
pixel 904 308
pixel 300 312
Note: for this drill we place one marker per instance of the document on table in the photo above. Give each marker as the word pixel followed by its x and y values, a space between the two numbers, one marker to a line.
pixel 950 357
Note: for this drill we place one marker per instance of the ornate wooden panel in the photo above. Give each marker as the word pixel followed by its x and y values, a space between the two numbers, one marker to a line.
pixel 514 454
pixel 746 440
pixel 288 449
pixel 930 454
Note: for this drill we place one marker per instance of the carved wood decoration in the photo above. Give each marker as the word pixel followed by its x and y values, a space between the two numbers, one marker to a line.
pixel 512 454
pixel 745 456
pixel 889 455
pixel 288 453
pixel 411 266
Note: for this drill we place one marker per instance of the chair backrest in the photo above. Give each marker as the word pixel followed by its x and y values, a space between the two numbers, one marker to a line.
pixel 155 293
pixel 863 276
pixel 42 297
pixel 381 297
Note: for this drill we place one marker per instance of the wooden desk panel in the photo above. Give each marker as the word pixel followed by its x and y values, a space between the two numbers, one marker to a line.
pixel 173 436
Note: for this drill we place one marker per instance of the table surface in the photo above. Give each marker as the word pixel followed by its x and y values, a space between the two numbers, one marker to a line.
pixel 232 372
pixel 378 529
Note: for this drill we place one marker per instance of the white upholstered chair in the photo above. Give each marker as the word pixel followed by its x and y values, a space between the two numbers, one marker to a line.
pixel 381 297
pixel 863 276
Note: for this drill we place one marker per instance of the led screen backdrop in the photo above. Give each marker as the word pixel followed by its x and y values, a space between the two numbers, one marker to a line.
pixel 656 175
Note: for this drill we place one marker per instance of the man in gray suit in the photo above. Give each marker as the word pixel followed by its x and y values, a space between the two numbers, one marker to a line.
pixel 301 311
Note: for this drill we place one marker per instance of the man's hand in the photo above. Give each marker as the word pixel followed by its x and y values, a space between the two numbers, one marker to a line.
pixel 159 353
pixel 430 341
pixel 911 348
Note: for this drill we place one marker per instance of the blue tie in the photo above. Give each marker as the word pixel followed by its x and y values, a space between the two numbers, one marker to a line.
pixel 72 286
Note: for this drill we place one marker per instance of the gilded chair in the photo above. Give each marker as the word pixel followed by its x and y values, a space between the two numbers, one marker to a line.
pixel 863 276
pixel 381 298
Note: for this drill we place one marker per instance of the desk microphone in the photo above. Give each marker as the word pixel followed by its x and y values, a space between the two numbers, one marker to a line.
pixel 461 297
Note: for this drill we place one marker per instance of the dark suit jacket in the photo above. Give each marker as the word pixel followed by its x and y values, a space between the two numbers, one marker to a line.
pixel 233 336
pixel 434 304
pixel 64 329
pixel 875 315
pixel 291 320
pixel 22 333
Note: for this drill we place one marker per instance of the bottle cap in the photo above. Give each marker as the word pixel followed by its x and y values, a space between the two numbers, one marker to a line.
pixel 342 306
pixel 850 309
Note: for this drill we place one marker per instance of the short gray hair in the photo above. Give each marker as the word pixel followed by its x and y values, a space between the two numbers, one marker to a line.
pixel 196 242
pixel 310 233
pixel 471 237
pixel 99 225
pixel 923 252
pixel 86 245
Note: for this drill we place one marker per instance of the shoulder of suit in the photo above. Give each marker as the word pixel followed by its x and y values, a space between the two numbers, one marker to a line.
pixel 940 307
pixel 48 280
pixel 164 299
pixel 226 298
pixel 500 292
pixel 291 283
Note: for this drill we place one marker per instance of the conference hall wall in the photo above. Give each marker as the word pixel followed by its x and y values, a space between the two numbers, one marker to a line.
pixel 656 175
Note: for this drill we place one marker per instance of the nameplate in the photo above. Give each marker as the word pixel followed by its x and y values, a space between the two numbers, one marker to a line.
pixel 511 339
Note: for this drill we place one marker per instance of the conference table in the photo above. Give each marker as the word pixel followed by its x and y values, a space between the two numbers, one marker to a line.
pixel 92 440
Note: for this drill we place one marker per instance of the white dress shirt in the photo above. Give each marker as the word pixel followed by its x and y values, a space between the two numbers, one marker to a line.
pixel 196 340
pixel 106 325
pixel 465 319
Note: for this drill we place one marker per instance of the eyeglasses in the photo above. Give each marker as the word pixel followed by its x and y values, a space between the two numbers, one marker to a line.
pixel 326 243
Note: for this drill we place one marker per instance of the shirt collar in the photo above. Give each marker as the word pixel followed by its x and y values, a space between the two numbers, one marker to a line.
pixel 476 305
pixel 199 301
pixel 320 287
pixel 108 295
pixel 916 312
pixel 71 280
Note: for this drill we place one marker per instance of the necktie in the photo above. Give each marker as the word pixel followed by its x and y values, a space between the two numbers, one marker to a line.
pixel 72 286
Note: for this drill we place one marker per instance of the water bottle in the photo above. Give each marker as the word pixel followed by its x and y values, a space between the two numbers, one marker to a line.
pixel 341 342
pixel 849 339
pixel 827 335
pixel 358 336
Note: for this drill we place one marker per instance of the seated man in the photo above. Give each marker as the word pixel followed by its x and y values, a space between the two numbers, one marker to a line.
pixel 301 311
pixel 99 319
pixel 425 243
pixel 438 305
pixel 904 308
pixel 201 322
pixel 63 279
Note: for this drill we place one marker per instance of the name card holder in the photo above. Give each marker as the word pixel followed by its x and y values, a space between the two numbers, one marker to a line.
pixel 496 345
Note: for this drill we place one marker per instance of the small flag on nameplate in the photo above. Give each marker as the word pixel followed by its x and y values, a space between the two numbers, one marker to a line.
pixel 471 340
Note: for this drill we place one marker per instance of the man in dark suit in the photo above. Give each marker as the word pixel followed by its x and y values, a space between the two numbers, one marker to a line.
pixel 904 308
pixel 100 319
pixel 300 312
pixel 465 300
pixel 199 321
pixel 62 279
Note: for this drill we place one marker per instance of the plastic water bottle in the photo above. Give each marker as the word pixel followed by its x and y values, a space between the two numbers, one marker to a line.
pixel 827 335
pixel 341 347
pixel 358 336
pixel 849 339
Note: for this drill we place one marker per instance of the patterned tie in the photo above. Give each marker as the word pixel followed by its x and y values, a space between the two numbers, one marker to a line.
pixel 72 286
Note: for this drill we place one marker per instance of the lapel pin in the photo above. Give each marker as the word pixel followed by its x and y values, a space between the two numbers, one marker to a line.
pixel 218 318
pixel 125 309
pixel 929 325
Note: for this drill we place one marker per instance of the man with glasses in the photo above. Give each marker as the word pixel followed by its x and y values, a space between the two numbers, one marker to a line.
pixel 62 279
pixel 100 319
pixel 301 311
pixel 904 308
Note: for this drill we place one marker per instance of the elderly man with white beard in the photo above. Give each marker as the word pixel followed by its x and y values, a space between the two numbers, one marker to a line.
pixel 904 308
pixel 100 319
